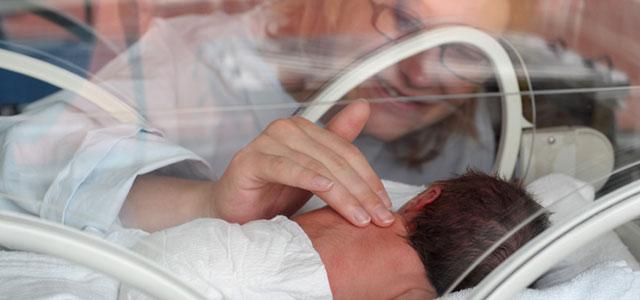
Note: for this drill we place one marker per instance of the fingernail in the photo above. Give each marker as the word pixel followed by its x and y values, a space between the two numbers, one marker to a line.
pixel 384 196
pixel 384 215
pixel 322 183
pixel 361 216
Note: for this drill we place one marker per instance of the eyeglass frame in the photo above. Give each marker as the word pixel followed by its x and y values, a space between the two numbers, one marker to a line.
pixel 379 8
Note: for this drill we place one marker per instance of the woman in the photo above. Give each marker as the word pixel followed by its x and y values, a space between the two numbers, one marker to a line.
pixel 194 78
pixel 402 138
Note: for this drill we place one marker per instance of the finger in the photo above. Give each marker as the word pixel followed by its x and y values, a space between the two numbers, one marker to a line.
pixel 339 197
pixel 345 204
pixel 349 122
pixel 283 170
pixel 266 144
pixel 352 154
pixel 295 138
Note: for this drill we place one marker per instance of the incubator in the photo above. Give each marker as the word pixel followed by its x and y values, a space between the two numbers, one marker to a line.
pixel 96 94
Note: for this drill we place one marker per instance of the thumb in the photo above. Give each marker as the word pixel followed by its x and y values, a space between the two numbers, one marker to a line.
pixel 349 122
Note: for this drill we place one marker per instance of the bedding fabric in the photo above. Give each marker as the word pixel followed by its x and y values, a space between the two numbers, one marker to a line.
pixel 609 280
pixel 27 275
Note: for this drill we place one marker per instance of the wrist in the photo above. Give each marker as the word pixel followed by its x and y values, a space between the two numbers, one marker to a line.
pixel 207 195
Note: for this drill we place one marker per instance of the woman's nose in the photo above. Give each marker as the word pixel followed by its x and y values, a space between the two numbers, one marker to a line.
pixel 421 70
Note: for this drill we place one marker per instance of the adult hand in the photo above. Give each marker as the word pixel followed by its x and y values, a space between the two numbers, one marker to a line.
pixel 292 157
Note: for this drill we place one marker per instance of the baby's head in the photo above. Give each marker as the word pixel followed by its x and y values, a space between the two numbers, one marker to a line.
pixel 456 221
pixel 436 237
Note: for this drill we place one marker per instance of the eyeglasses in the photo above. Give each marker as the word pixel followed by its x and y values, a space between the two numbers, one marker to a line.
pixel 464 62
pixel 602 63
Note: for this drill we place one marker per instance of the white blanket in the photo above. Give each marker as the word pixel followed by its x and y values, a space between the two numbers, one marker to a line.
pixel 610 280
pixel 26 275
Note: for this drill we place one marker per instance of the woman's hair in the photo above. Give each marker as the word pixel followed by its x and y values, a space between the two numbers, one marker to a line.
pixel 472 213
pixel 425 144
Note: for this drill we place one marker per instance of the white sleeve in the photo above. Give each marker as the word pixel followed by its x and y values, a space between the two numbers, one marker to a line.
pixel 61 165
pixel 265 259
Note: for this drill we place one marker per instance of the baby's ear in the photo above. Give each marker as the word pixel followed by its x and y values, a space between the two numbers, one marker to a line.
pixel 412 208
pixel 430 195
pixel 423 199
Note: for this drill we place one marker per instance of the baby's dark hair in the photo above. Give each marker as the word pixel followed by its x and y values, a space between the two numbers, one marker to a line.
pixel 471 214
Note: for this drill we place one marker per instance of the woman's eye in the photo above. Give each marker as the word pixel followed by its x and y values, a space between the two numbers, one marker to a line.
pixel 467 53
pixel 404 22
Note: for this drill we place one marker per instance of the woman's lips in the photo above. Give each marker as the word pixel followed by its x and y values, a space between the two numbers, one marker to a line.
pixel 392 98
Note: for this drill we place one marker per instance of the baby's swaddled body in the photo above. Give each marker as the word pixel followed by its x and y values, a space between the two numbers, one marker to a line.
pixel 264 259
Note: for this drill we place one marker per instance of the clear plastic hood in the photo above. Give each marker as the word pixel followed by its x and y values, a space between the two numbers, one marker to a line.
pixel 96 97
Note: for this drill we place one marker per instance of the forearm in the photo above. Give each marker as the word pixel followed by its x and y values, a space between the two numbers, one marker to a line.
pixel 158 202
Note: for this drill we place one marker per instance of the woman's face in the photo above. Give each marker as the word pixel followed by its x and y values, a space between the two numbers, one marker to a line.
pixel 425 74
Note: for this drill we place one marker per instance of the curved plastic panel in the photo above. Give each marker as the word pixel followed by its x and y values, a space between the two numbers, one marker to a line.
pixel 545 251
pixel 511 102
pixel 68 81
pixel 31 234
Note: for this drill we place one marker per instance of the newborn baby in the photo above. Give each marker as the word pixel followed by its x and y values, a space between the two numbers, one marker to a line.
pixel 318 255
